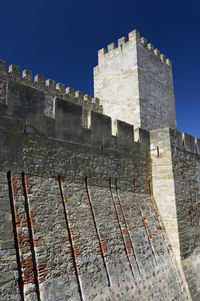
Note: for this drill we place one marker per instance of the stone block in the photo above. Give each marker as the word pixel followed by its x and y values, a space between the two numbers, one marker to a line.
pixel 125 134
pixel 101 132
pixel 179 139
pixel 68 120
pixel 189 142
pixel 9 244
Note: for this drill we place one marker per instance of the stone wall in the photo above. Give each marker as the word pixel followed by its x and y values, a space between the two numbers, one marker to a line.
pixel 84 239
pixel 79 221
pixel 175 176
pixel 49 89
pixel 186 162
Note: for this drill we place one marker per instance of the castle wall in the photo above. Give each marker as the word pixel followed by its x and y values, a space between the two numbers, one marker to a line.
pixel 49 89
pixel 186 162
pixel 134 82
pixel 79 207
pixel 115 247
pixel 175 171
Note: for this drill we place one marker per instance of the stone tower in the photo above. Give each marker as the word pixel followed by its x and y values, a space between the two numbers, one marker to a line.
pixel 135 84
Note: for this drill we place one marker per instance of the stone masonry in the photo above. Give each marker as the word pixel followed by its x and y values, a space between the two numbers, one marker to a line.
pixel 134 82
pixel 94 208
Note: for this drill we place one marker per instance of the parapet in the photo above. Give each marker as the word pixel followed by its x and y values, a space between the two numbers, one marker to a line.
pixel 124 42
pixel 178 139
pixel 48 86
pixel 26 107
pixel 187 142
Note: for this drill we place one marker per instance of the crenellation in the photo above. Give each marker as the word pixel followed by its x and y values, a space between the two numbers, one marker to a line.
pixel 121 41
pixel 47 86
pixel 70 91
pixel 168 62
pixel 60 88
pixel 143 41
pixel 186 142
pixel 39 80
pixel 59 119
pixel 87 97
pixel 79 95
pixel 179 139
pixel 96 101
pixel 134 34
pixel 189 142
pixel 14 70
pixel 150 47
pixel 101 53
pixel 111 46
pixel 163 57
pixel 125 134
pixel 27 75
pixel 50 84
pixel 157 52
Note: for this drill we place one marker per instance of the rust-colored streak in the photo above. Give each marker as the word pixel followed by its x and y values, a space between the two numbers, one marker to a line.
pixel 19 284
pixel 30 216
pixel 103 249
pixel 23 240
pixel 149 235
pixel 128 242
pixel 119 214
pixel 144 222
pixel 102 246
pixel 27 267
pixel 37 241
pixel 161 227
pixel 42 273
pixel 152 201
pixel 73 250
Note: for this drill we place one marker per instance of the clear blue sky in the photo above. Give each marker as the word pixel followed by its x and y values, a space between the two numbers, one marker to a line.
pixel 59 39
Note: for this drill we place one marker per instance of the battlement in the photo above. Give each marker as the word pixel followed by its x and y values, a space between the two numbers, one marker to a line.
pixel 114 196
pixel 123 42
pixel 27 106
pixel 47 86
pixel 187 142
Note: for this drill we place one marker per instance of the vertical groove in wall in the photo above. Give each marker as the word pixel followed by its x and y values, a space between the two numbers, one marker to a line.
pixel 70 240
pixel 127 228
pixel 121 230
pixel 26 205
pixel 97 232
pixel 146 230
pixel 19 268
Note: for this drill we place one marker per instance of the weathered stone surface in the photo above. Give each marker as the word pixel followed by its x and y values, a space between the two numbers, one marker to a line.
pixel 87 215
pixel 135 85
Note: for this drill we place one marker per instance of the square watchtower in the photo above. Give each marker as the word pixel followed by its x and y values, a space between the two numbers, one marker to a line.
pixel 135 84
